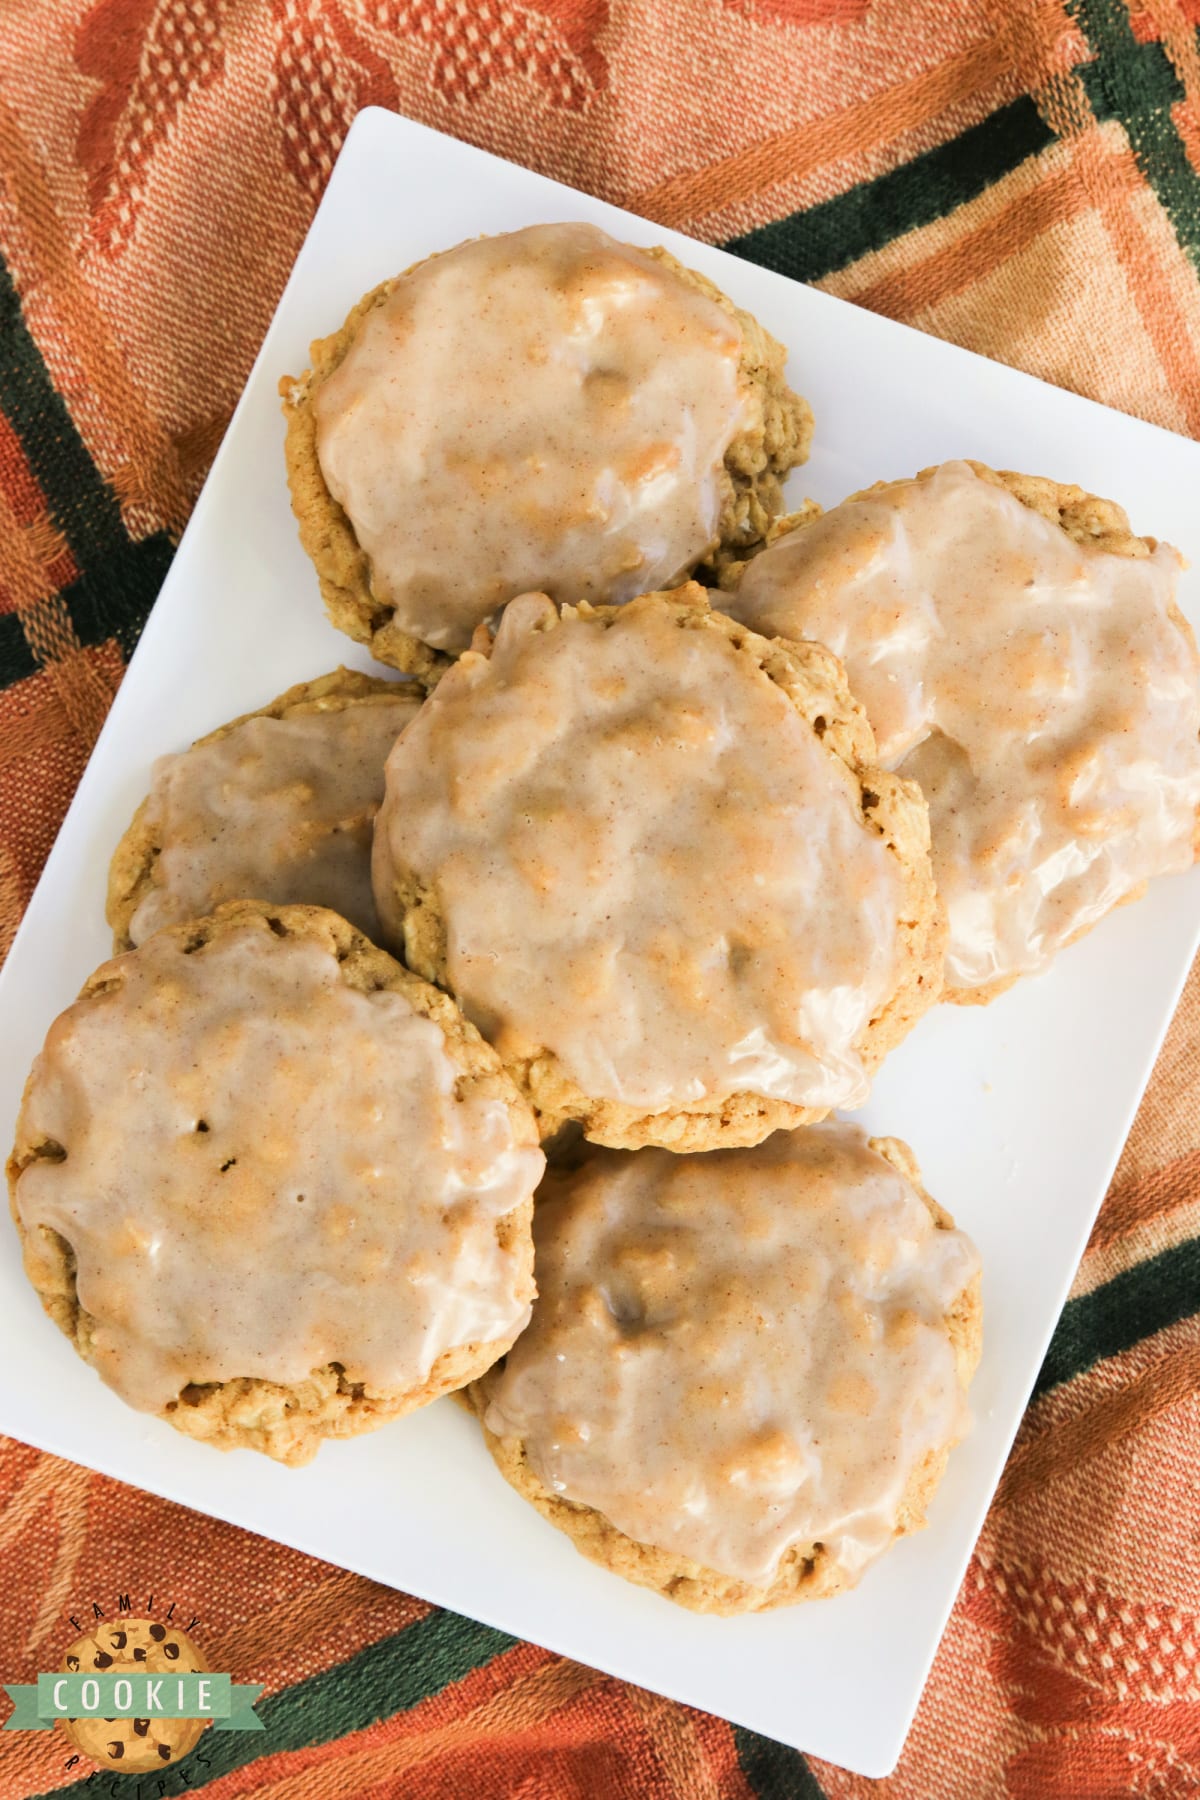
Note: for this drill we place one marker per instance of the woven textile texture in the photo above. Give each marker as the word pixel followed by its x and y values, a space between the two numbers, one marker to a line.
pixel 1020 176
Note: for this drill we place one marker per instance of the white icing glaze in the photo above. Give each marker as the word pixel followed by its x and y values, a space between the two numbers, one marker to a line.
pixel 267 1171
pixel 543 409
pixel 279 810
pixel 1038 690
pixel 646 861
pixel 741 1351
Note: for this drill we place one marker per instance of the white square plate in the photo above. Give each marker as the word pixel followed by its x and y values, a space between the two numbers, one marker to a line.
pixel 1016 1111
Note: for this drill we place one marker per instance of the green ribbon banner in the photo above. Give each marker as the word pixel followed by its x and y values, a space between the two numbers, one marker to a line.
pixel 130 1695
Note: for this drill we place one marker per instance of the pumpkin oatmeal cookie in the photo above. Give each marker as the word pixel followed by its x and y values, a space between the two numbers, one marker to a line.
pixel 745 1371
pixel 652 857
pixel 277 805
pixel 272 1186
pixel 1020 655
pixel 542 409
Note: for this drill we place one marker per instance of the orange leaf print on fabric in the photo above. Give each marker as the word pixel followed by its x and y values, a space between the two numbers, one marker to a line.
pixel 477 43
pixel 324 73
pixel 1109 1685
pixel 1107 1761
pixel 150 56
pixel 1146 21
pixel 802 12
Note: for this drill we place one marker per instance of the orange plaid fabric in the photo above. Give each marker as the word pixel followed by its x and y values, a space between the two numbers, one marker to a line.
pixel 1020 176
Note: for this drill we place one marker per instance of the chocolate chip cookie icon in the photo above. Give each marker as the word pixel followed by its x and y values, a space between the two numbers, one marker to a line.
pixel 139 1646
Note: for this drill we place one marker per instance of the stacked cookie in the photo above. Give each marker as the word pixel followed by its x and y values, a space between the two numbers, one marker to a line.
pixel 690 813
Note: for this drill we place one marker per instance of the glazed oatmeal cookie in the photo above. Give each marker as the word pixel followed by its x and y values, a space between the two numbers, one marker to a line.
pixel 1020 653
pixel 271 1185
pixel 651 855
pixel 277 805
pixel 745 1371
pixel 543 409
